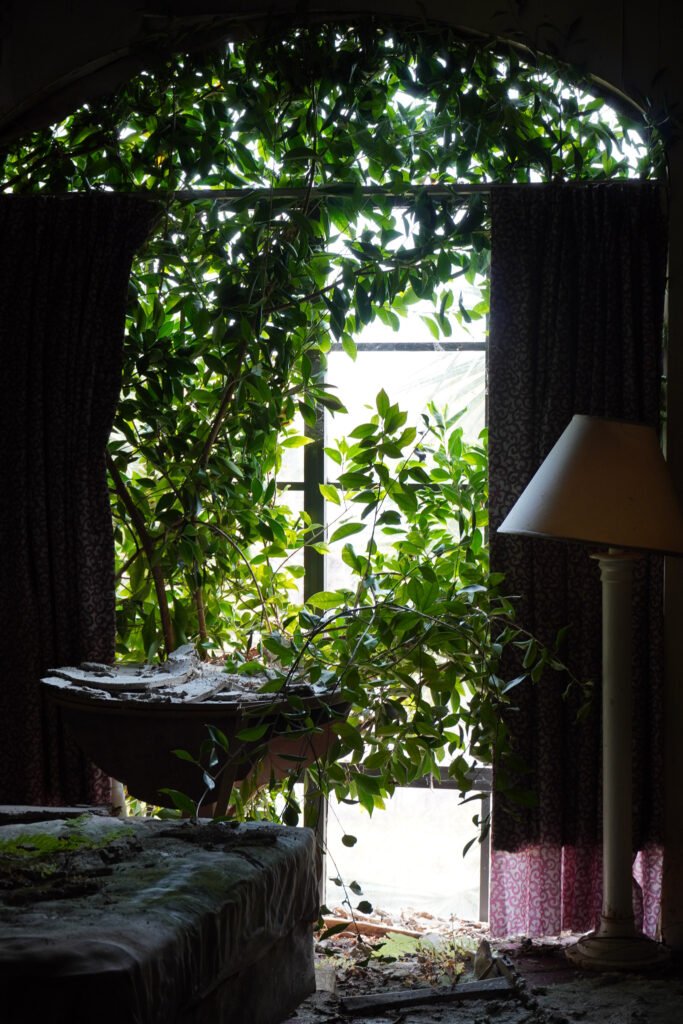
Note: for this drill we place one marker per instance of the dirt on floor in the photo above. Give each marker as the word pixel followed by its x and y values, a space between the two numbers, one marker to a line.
pixel 415 957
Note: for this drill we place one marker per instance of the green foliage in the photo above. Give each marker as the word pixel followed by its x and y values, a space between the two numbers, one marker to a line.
pixel 414 643
pixel 234 302
pixel 443 962
pixel 339 106
pixel 330 141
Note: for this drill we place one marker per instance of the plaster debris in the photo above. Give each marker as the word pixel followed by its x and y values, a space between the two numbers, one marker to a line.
pixel 182 678
pixel 548 989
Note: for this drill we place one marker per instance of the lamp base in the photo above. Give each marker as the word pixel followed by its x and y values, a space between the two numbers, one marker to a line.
pixel 635 952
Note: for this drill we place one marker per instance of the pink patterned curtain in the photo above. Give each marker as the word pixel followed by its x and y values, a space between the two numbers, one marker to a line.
pixel 577 297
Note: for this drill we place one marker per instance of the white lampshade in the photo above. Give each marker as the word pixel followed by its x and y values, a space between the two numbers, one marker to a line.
pixel 605 482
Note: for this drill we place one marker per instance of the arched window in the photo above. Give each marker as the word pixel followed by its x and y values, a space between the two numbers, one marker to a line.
pixel 313 189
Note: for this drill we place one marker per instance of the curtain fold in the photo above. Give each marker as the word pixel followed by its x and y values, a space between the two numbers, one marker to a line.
pixel 64 270
pixel 577 299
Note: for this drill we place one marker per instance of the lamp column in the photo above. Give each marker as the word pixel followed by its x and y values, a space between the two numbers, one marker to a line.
pixel 616 572
pixel 616 943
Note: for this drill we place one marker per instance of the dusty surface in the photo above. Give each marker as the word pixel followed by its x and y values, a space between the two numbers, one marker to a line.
pixel 548 990
pixel 181 679
pixel 132 721
pixel 155 915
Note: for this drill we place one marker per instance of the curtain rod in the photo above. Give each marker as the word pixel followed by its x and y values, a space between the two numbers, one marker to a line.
pixel 406 193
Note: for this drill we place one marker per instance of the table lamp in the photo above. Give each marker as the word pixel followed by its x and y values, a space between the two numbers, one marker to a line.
pixel 606 483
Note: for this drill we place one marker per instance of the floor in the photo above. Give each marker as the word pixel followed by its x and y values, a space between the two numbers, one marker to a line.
pixel 545 990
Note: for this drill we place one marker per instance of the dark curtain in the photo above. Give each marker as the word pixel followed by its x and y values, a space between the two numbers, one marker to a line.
pixel 577 298
pixel 64 269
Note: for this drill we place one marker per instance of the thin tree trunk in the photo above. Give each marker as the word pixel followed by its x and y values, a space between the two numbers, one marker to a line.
pixel 148 546
pixel 201 621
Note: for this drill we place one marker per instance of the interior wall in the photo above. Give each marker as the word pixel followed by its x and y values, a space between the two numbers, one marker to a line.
pixel 55 51
pixel 54 54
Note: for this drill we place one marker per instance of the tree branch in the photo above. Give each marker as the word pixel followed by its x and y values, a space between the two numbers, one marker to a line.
pixel 147 544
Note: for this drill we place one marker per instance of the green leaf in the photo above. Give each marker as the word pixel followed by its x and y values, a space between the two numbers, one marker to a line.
pixel 218 737
pixel 364 430
pixel 291 814
pixel 335 929
pixel 346 530
pixel 296 441
pixel 382 403
pixel 300 153
pixel 350 735
pixel 349 346
pixel 184 755
pixel 253 732
pixel 514 682
pixel 432 325
pixel 363 305
pixel 330 493
pixel 466 848
pixel 350 558
pixel 180 800
pixel 348 840
pixel 326 599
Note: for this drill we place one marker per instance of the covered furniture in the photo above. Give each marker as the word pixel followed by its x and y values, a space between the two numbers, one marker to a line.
pixel 148 921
